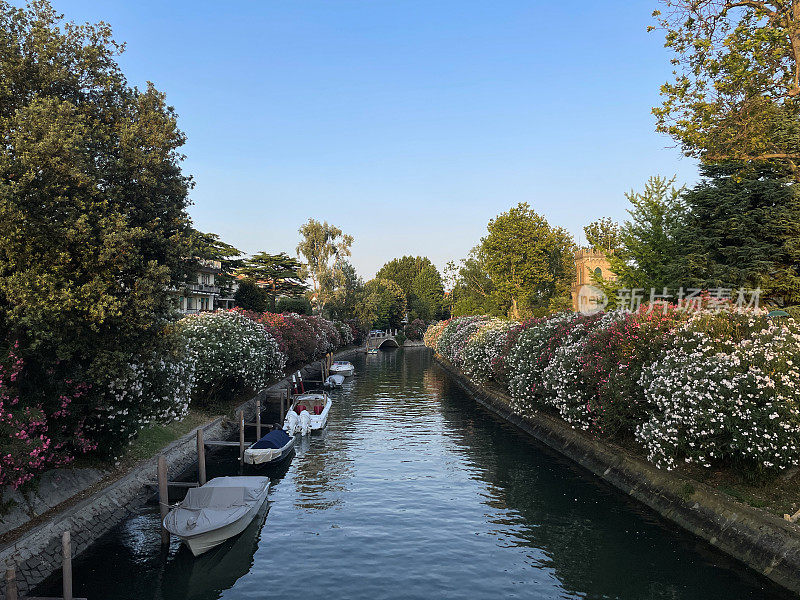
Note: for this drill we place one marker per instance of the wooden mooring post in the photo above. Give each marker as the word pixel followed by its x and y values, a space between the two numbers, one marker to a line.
pixel 258 419
pixel 241 436
pixel 283 400
pixel 201 458
pixel 163 497
pixel 11 584
pixel 66 565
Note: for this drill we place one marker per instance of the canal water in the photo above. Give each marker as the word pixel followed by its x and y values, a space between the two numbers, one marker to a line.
pixel 415 492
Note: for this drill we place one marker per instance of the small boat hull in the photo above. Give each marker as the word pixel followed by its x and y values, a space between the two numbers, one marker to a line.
pixel 268 456
pixel 215 527
pixel 334 381
pixel 206 541
pixel 293 425
pixel 342 368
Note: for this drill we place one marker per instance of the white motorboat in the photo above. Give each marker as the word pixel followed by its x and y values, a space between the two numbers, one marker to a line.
pixel 270 449
pixel 342 367
pixel 308 412
pixel 334 381
pixel 217 511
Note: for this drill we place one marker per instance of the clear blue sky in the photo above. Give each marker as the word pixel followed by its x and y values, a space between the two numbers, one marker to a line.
pixel 409 124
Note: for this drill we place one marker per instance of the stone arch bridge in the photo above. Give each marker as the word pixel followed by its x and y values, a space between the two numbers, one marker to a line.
pixel 382 339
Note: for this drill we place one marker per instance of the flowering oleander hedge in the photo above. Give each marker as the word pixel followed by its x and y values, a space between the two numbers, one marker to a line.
pixel 40 433
pixel 303 338
pixel 230 351
pixel 155 387
pixel 714 388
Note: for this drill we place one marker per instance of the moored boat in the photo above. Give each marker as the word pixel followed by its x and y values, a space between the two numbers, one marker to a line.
pixel 217 511
pixel 308 412
pixel 270 449
pixel 334 381
pixel 342 367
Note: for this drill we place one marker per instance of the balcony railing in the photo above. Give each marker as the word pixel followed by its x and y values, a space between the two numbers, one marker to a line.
pixel 203 287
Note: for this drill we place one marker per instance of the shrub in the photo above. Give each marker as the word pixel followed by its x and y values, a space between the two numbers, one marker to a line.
pixel 346 334
pixel 456 335
pixel 415 330
pixel 563 385
pixel 483 350
pixel 155 387
pixel 725 391
pixel 613 356
pixel 433 333
pixel 39 432
pixel 300 306
pixel 230 351
pixel 532 352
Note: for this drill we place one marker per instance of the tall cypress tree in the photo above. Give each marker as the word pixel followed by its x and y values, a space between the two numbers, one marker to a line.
pixel 742 229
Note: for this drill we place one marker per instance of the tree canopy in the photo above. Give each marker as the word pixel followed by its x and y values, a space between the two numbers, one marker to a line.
pixel 736 85
pixel 93 221
pixel 383 305
pixel 529 262
pixel 421 283
pixel 741 232
pixel 648 240
pixel 323 246
pixel 278 274
pixel 603 234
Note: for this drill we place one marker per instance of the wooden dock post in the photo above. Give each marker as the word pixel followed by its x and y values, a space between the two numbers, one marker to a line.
pixel 163 497
pixel 283 398
pixel 241 436
pixel 258 419
pixel 201 458
pixel 66 577
pixel 11 584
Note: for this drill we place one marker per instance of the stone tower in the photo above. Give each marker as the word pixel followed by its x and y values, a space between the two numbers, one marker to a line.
pixel 588 262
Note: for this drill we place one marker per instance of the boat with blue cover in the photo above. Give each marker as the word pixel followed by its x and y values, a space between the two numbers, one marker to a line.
pixel 270 449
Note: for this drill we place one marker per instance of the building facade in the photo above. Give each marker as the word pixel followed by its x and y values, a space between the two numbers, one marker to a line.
pixel 201 293
pixel 589 264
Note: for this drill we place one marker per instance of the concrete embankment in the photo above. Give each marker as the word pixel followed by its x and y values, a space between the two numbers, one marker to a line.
pixel 36 552
pixel 765 543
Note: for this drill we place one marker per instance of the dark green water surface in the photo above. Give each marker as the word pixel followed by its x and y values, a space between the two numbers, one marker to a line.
pixel 416 492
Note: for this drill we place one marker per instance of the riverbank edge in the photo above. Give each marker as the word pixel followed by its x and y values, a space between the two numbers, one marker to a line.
pixel 36 553
pixel 761 541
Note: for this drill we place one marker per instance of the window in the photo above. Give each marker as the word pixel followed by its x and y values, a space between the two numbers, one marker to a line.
pixel 598 273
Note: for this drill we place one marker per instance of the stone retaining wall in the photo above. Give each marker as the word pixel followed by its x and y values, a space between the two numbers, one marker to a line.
pixel 37 553
pixel 766 543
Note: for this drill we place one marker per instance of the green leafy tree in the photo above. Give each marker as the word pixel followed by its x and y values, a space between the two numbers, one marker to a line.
pixel 93 222
pixel 323 246
pixel 529 262
pixel 472 290
pixel 301 306
pixel 348 288
pixel 736 85
pixel 250 296
pixel 278 274
pixel 209 246
pixel 403 270
pixel 603 234
pixel 427 294
pixel 648 242
pixel 741 232
pixel 423 295
pixel 383 304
